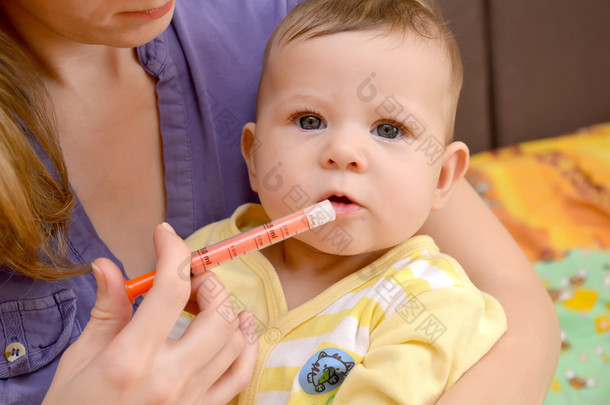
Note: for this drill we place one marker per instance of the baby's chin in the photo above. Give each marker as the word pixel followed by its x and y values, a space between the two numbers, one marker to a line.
pixel 335 241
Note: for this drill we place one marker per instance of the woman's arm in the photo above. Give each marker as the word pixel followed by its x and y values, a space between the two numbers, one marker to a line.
pixel 519 368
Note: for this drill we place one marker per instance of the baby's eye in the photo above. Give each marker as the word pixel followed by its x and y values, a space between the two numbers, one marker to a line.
pixel 387 131
pixel 310 122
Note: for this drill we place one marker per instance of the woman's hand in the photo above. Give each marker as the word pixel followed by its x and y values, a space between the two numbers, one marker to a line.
pixel 119 359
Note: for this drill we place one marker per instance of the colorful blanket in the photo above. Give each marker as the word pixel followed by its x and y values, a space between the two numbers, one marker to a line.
pixel 553 195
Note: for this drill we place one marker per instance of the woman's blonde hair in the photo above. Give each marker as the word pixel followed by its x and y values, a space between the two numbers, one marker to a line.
pixel 35 201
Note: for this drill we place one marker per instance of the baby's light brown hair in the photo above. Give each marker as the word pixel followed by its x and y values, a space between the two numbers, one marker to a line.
pixel 316 18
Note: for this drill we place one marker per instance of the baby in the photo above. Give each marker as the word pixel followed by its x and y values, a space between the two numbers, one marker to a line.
pixel 356 105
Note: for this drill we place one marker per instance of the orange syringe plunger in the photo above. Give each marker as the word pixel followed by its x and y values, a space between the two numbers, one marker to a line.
pixel 254 239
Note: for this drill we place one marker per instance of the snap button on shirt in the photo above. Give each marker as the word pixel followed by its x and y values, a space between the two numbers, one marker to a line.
pixel 13 351
pixel 273 335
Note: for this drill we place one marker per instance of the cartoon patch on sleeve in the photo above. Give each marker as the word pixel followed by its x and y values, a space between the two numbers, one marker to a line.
pixel 325 371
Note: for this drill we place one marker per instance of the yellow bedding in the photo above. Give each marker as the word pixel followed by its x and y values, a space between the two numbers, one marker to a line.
pixel 552 194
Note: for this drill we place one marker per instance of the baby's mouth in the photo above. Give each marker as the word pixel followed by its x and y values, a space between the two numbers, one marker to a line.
pixel 343 205
pixel 339 200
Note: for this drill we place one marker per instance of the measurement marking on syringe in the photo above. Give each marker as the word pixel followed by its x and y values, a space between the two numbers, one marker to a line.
pixel 214 255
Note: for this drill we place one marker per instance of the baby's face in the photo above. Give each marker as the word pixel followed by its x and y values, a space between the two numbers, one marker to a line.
pixel 357 118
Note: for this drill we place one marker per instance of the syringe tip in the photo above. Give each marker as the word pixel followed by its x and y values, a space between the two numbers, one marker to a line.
pixel 320 213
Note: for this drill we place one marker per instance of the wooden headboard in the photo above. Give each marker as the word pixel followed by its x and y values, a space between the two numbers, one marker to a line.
pixel 533 68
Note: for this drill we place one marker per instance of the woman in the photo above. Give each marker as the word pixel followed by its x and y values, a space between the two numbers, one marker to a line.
pixel 35 205
pixel 148 121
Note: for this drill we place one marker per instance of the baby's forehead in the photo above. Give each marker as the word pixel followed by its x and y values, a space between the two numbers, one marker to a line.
pixel 399 38
pixel 406 41
pixel 357 47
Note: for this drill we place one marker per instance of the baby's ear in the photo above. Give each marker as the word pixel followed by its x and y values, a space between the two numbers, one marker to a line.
pixel 248 143
pixel 455 164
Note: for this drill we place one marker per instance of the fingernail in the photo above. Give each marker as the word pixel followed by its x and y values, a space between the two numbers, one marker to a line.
pixel 99 278
pixel 168 227
pixel 247 324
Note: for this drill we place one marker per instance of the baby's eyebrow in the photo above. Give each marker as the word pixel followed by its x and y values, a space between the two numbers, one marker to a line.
pixel 304 101
pixel 303 97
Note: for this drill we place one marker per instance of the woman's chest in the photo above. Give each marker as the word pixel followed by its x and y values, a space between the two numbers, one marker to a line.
pixel 115 164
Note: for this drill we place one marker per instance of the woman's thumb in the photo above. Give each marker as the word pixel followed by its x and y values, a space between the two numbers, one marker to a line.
pixel 112 310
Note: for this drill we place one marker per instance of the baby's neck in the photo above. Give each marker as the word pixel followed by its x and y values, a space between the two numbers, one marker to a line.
pixel 305 272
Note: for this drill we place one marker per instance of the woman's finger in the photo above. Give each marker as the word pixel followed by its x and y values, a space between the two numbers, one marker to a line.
pixel 186 368
pixel 236 378
pixel 163 304
pixel 211 329
pixel 112 311
pixel 212 295
pixel 229 372
pixel 207 374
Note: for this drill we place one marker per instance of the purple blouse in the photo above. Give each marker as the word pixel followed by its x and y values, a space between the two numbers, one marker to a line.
pixel 207 64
